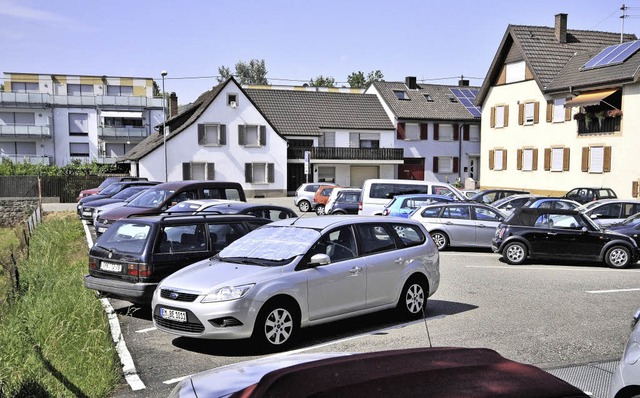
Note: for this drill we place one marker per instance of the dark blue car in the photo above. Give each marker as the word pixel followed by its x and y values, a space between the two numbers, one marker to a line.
pixel 630 227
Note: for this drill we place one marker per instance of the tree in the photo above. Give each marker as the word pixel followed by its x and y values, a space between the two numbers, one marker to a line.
pixel 322 81
pixel 357 79
pixel 253 72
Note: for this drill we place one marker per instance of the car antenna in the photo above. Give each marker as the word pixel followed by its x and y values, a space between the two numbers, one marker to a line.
pixel 299 217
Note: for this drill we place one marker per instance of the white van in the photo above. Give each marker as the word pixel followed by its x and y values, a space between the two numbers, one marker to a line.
pixel 376 193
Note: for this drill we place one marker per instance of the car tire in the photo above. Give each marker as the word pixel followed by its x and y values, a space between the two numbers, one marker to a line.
pixel 320 210
pixel 413 299
pixel 515 253
pixel 304 206
pixel 276 326
pixel 342 212
pixel 618 257
pixel 440 239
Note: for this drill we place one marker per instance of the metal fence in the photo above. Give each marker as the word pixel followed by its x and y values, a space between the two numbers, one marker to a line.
pixel 66 188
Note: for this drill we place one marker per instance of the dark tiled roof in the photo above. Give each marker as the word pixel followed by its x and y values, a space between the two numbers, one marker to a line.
pixel 417 106
pixel 176 124
pixel 304 113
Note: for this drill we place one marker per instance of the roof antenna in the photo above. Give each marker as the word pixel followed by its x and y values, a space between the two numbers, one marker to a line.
pixel 623 16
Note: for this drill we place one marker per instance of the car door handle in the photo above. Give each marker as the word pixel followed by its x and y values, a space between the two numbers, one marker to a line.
pixel 448 223
pixel 355 270
pixel 481 225
pixel 552 233
pixel 399 260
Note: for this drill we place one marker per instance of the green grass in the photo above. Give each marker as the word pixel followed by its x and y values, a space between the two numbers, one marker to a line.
pixel 54 336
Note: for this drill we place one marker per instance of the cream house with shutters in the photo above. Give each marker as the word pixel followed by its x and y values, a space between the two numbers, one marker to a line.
pixel 553 107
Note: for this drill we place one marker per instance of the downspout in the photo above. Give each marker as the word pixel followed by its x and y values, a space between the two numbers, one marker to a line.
pixel 460 139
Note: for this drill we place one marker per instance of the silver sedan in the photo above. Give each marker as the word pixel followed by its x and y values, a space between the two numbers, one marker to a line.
pixel 460 223
pixel 301 272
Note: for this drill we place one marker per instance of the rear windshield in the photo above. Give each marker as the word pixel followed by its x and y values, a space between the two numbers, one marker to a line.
pixel 129 237
pixel 388 191
pixel 151 199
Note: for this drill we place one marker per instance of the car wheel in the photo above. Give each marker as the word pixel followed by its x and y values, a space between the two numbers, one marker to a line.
pixel 304 206
pixel 515 253
pixel 413 299
pixel 339 212
pixel 320 210
pixel 276 326
pixel 440 239
pixel 618 257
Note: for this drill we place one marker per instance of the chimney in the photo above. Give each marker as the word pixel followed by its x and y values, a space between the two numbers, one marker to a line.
pixel 463 82
pixel 561 28
pixel 173 104
pixel 410 81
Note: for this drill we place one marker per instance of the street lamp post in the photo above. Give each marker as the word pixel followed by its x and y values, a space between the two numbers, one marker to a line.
pixel 164 133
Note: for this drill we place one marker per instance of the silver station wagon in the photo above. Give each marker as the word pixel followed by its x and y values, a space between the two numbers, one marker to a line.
pixel 301 272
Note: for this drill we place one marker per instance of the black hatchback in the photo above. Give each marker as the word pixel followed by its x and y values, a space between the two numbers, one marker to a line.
pixel 556 234
pixel 136 253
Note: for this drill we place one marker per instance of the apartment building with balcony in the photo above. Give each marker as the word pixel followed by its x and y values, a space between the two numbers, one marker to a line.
pixel 54 119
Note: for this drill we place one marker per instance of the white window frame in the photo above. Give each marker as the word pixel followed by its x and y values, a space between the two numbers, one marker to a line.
pixel 327 139
pixel 527 159
pixel 445 164
pixel 412 131
pixel 474 132
pixel 499 116
pixel 78 145
pixel 529 113
pixel 558 110
pixel 252 135
pixel 211 130
pixel 80 123
pixel 445 132
pixel 497 159
pixel 262 170
pixel 515 72
pixel 232 100
pixel 557 159
pixel 596 159
pixel 401 95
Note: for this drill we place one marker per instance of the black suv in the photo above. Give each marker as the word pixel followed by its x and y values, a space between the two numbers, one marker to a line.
pixel 347 202
pixel 136 253
pixel 584 195
pixel 558 234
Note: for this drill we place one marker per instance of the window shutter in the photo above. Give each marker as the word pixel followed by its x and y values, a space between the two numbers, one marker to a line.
pixel 248 172
pixel 465 132
pixel 519 160
pixel 491 159
pixel 242 134
pixel 263 135
pixel 223 134
pixel 200 134
pixel 504 159
pixel 435 164
pixel 456 132
pixel 536 112
pixel 211 171
pixel 436 132
pixel 400 131
pixel 585 159
pixel 456 167
pixel 547 159
pixel 270 172
pixel 535 159
pixel 493 117
pixel 567 111
pixel 549 111
pixel 506 116
pixel 423 131
pixel 565 159
pixel 186 171
pixel 634 189
pixel 521 113
pixel 607 159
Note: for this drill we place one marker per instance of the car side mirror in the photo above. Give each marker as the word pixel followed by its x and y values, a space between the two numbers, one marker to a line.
pixel 509 207
pixel 319 259
pixel 594 216
pixel 584 229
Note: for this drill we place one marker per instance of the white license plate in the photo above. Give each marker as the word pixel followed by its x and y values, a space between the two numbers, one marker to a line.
pixel 102 229
pixel 86 213
pixel 173 315
pixel 111 267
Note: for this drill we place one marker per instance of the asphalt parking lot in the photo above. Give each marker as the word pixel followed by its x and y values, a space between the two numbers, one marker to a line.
pixel 591 376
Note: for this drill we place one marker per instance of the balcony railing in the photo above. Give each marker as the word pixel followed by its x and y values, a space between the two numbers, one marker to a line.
pixel 44 99
pixel 15 130
pixel 606 125
pixel 122 132
pixel 347 153
pixel 32 159
pixel 106 159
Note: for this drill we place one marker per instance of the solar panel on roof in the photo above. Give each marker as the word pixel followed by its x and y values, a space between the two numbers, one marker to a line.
pixel 613 55
pixel 466 97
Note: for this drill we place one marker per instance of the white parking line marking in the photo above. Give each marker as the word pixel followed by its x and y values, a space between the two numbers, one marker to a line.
pixel 613 291
pixel 146 330
pixel 552 267
pixel 283 354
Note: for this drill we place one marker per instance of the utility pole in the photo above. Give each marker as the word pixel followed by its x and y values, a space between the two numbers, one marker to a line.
pixel 623 16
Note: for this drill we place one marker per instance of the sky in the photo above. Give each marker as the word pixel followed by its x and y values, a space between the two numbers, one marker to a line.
pixel 435 41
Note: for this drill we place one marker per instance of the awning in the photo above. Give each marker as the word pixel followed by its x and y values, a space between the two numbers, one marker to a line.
pixel 127 115
pixel 590 98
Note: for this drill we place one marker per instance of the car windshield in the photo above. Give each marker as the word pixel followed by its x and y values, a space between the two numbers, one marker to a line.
pixel 272 243
pixel 151 198
pixel 111 189
pixel 107 182
pixel 631 221
pixel 125 193
pixel 125 237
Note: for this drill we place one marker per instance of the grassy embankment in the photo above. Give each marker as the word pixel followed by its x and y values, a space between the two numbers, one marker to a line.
pixel 54 335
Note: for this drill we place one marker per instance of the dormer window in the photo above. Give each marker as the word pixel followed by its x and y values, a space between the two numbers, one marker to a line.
pixel 428 97
pixel 401 94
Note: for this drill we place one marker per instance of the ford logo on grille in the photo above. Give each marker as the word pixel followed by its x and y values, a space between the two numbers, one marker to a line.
pixel 173 296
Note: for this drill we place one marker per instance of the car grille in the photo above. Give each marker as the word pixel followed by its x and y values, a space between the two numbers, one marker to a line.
pixel 186 297
pixel 189 327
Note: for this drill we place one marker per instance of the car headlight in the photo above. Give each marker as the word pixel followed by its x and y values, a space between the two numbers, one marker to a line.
pixel 228 293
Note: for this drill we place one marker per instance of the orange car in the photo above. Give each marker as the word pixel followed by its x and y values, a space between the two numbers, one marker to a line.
pixel 321 197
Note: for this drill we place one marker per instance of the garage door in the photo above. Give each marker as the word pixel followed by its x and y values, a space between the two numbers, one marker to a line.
pixel 361 173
